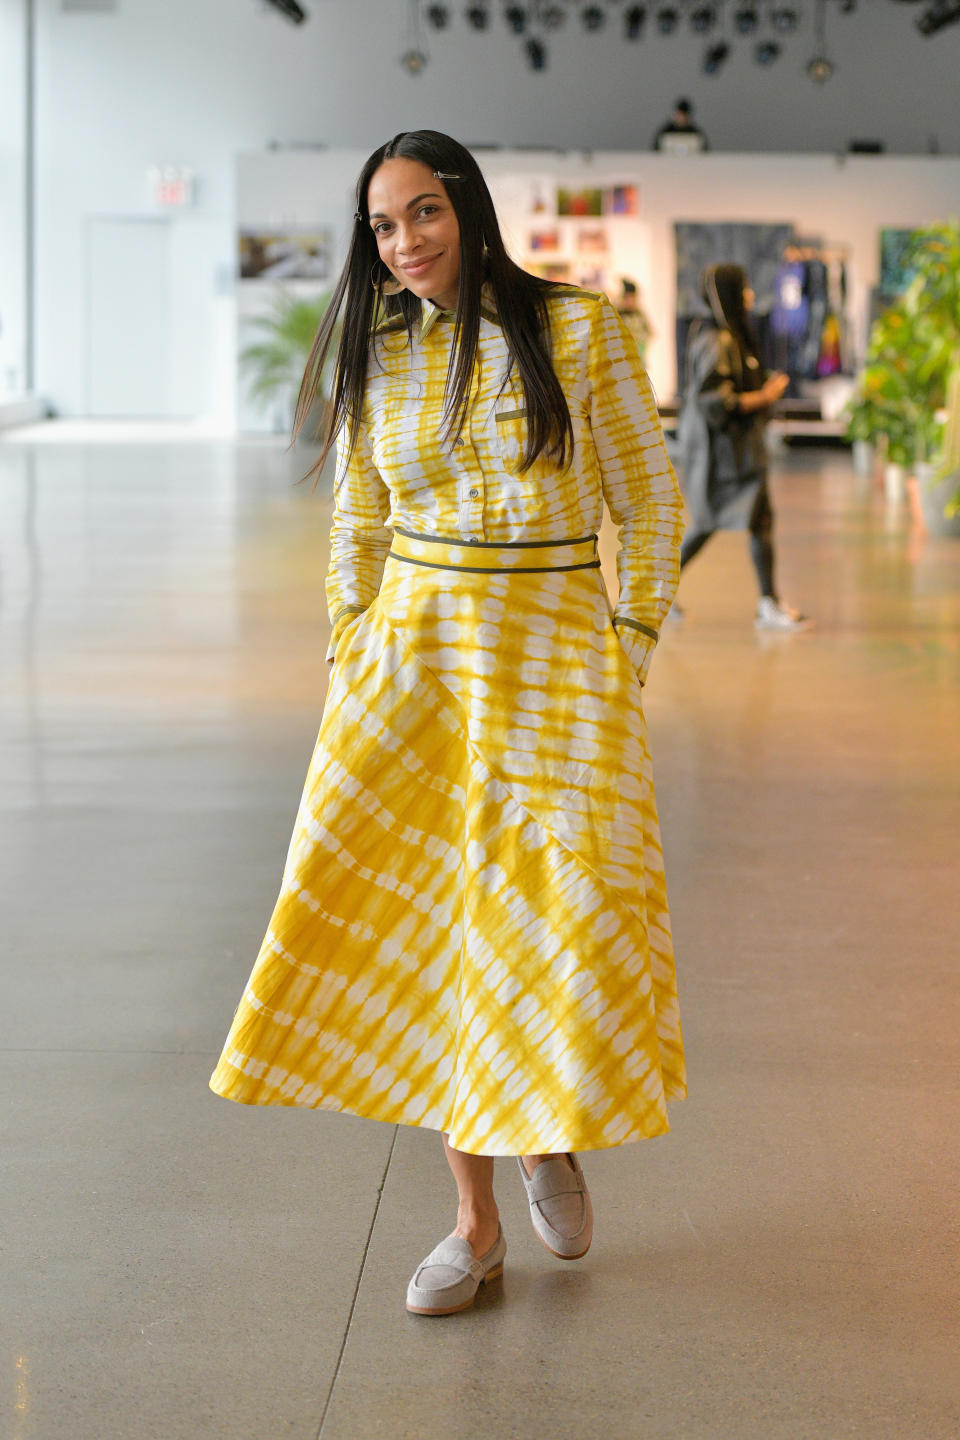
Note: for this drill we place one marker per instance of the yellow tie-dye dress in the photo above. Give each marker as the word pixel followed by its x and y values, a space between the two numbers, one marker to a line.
pixel 472 930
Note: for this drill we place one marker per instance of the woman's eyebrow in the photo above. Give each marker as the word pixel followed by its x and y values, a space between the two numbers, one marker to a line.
pixel 427 195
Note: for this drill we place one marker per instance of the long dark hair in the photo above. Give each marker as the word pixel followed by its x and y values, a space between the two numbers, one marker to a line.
pixel 520 300
pixel 723 286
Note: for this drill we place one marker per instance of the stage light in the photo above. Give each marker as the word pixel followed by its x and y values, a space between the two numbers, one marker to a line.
pixel 536 53
pixel 290 10
pixel 703 18
pixel 766 52
pixel 593 17
pixel 516 18
pixel 668 18
pixel 478 16
pixel 820 69
pixel 784 18
pixel 438 16
pixel 633 21
pixel 413 60
pixel 715 58
pixel 746 19
pixel 941 14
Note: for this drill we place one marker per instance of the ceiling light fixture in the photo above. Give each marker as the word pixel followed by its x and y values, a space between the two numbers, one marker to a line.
pixel 938 16
pixel 413 61
pixel 715 58
pixel 290 10
pixel 593 17
pixel 784 18
pixel 766 52
pixel 703 18
pixel 634 18
pixel 668 18
pixel 552 16
pixel 516 18
pixel 746 19
pixel 820 67
pixel 438 16
pixel 536 53
pixel 478 16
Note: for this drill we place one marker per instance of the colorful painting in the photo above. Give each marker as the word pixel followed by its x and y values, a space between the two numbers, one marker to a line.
pixel 587 202
pixel 621 200
pixel 289 254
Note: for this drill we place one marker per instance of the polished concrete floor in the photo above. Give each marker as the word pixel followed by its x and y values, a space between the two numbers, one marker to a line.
pixel 783 1266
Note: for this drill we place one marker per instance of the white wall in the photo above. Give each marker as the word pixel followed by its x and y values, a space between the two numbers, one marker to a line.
pixel 12 198
pixel 844 201
pixel 194 82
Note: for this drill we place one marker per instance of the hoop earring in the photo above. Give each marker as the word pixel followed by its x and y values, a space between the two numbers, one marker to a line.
pixel 393 286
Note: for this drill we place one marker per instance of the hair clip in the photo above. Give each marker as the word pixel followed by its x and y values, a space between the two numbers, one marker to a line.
pixel 357 216
pixel 441 175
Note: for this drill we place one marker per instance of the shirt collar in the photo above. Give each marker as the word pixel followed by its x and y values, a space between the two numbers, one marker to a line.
pixel 430 314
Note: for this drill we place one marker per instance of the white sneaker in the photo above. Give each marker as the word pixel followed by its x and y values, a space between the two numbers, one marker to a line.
pixel 773 615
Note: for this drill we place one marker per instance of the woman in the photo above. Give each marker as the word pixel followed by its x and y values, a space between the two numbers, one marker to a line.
pixel 727 399
pixel 472 932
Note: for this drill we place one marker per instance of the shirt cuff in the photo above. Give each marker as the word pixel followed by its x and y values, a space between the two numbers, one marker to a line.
pixel 342 619
pixel 638 641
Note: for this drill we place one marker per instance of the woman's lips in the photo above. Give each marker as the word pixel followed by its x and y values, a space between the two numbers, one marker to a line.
pixel 418 267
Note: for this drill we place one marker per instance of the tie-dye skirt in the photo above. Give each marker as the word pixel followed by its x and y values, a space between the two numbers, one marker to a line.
pixel 472 931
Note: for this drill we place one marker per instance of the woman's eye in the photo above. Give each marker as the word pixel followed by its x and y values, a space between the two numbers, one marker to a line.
pixel 381 229
pixel 428 209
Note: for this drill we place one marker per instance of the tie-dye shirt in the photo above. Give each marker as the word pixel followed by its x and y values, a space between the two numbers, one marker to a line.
pixel 404 475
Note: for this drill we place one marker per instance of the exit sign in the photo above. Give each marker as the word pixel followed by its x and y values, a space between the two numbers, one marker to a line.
pixel 172 186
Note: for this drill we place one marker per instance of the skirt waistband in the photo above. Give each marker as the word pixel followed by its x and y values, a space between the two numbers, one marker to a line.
pixel 535 557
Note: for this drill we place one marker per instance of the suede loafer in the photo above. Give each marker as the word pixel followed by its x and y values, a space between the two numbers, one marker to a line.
pixel 448 1280
pixel 560 1205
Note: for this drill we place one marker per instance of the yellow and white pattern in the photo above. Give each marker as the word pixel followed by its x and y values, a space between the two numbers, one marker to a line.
pixel 472 932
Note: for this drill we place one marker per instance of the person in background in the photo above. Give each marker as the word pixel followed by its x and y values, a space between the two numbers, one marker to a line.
pixel 680 136
pixel 727 396
pixel 634 316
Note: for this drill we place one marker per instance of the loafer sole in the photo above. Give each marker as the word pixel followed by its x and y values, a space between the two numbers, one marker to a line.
pixel 493 1274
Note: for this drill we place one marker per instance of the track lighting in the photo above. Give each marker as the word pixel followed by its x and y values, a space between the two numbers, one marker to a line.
pixel 766 52
pixel 593 17
pixel 633 21
pixel 290 10
pixel 536 53
pixel 703 18
pixel 716 57
pixel 784 18
pixel 939 15
pixel 746 19
pixel 438 16
pixel 552 16
pixel 516 18
pixel 478 16
pixel 668 18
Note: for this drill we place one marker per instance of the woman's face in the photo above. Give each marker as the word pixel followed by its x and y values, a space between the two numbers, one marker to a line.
pixel 418 235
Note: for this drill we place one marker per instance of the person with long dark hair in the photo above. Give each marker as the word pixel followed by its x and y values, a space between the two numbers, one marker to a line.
pixel 721 435
pixel 472 932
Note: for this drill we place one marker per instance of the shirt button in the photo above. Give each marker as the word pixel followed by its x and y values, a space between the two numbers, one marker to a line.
pixel 460 440
pixel 474 494
pixel 473 539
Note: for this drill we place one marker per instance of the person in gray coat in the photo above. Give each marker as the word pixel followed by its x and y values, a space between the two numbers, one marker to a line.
pixel 720 432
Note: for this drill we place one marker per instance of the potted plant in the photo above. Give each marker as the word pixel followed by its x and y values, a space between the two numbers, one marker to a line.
pixel 274 363
pixel 908 399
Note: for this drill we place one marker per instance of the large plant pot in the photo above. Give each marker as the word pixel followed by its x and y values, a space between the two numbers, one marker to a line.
pixel 934 497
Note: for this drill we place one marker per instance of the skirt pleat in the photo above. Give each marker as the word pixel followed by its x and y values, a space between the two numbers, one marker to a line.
pixel 472 932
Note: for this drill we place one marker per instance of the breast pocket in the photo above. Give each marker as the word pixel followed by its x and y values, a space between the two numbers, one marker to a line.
pixel 511 437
